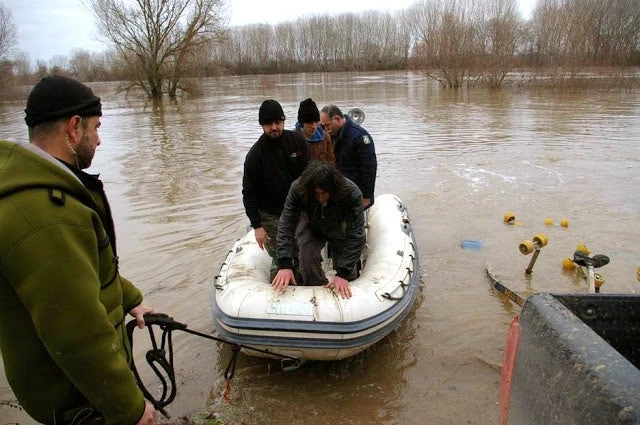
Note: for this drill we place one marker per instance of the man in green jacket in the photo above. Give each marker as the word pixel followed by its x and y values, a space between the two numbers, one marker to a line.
pixel 63 303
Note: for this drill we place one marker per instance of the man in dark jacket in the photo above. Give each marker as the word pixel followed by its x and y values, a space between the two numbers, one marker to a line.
pixel 63 302
pixel 272 164
pixel 323 206
pixel 354 150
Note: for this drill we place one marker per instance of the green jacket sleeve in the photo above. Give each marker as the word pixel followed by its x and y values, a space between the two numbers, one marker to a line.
pixel 67 306
pixel 131 296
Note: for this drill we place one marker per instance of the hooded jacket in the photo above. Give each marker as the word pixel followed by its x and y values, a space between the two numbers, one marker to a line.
pixel 320 144
pixel 62 300
pixel 340 221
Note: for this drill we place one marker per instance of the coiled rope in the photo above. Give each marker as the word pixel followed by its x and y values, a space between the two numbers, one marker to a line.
pixel 159 363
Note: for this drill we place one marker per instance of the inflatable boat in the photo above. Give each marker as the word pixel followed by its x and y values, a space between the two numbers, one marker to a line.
pixel 311 322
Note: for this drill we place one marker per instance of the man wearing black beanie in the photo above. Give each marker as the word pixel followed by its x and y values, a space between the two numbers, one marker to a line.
pixel 271 165
pixel 63 302
pixel 309 126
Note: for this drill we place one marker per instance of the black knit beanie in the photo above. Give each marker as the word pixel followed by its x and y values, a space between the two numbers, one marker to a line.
pixel 308 111
pixel 270 111
pixel 57 97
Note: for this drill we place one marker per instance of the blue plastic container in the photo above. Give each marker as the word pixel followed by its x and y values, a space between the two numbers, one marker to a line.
pixel 469 244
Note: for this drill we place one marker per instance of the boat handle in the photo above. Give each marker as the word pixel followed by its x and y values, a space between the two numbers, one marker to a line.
pixel 390 297
pixel 403 285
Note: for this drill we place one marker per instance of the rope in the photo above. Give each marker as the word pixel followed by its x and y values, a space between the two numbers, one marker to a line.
pixel 157 358
pixel 230 371
pixel 403 285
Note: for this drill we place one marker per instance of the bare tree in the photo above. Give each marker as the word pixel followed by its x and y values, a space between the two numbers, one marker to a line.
pixel 159 38
pixel 549 31
pixel 607 32
pixel 82 64
pixel 22 68
pixel 447 41
pixel 7 31
pixel 7 42
pixel 59 64
pixel 502 35
pixel 574 33
pixel 42 69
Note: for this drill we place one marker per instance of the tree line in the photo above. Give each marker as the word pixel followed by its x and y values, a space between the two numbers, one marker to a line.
pixel 166 47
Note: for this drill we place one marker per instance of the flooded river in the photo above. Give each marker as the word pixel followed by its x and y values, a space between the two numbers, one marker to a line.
pixel 459 160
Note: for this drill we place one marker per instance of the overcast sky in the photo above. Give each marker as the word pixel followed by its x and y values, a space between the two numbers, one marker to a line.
pixel 58 27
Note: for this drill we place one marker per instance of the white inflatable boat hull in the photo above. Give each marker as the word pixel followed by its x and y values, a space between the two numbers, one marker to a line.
pixel 311 322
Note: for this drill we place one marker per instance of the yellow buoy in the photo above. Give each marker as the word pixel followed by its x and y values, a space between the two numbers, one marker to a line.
pixel 564 223
pixel 540 240
pixel 548 221
pixel 583 248
pixel 509 218
pixel 526 247
pixel 568 264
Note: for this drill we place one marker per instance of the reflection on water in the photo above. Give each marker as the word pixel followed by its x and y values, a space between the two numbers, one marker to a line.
pixel 459 160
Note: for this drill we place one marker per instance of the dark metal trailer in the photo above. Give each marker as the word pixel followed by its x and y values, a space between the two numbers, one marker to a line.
pixel 573 359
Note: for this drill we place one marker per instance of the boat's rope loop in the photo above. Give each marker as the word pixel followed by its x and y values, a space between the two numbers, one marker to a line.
pixel 157 357
pixel 390 297
pixel 403 285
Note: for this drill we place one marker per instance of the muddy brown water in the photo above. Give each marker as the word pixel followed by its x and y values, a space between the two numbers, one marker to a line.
pixel 459 160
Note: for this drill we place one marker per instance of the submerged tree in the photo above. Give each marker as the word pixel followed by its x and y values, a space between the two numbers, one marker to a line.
pixel 460 42
pixel 574 33
pixel 446 41
pixel 501 34
pixel 159 39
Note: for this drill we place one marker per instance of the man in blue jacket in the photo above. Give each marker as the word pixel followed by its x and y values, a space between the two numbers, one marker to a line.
pixel 354 150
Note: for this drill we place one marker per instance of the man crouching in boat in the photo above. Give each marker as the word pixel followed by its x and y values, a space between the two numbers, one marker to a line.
pixel 325 207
